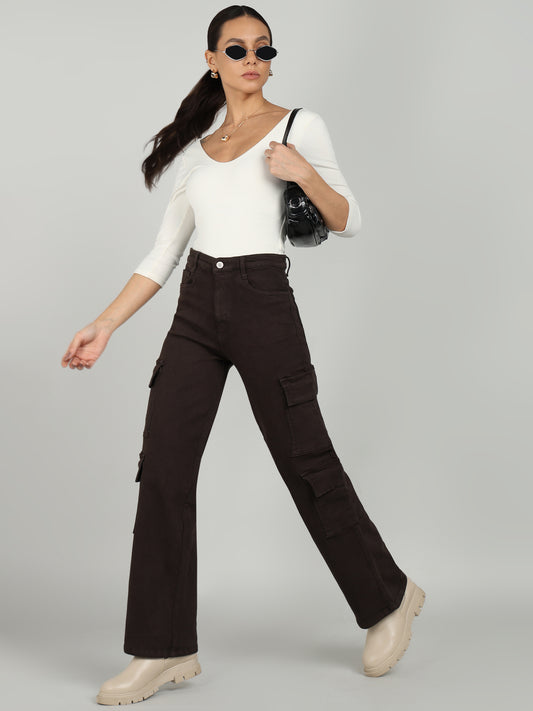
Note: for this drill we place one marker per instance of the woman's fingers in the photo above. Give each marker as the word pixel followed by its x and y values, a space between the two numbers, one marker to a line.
pixel 79 344
pixel 77 363
pixel 71 350
pixel 86 347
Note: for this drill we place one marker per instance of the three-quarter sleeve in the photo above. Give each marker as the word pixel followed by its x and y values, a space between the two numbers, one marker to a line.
pixel 174 233
pixel 317 148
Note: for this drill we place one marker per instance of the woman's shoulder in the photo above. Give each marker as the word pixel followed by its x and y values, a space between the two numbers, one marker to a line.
pixel 189 155
pixel 307 116
pixel 307 112
pixel 309 127
pixel 189 148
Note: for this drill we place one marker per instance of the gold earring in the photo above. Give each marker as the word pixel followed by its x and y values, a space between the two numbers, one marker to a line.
pixel 214 75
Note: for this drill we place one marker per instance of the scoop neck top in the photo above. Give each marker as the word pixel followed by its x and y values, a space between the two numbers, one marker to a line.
pixel 236 207
pixel 259 142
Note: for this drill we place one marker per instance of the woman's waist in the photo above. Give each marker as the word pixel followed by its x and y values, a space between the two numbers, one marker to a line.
pixel 239 241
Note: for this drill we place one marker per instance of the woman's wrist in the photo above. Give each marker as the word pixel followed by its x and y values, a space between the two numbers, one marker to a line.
pixel 307 178
pixel 333 206
pixel 106 323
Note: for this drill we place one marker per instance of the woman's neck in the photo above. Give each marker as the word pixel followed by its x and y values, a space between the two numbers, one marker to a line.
pixel 237 111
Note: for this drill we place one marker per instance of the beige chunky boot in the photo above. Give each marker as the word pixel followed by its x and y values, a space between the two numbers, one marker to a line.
pixel 143 677
pixel 388 639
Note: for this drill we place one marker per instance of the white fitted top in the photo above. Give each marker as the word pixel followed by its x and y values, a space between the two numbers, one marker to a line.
pixel 236 207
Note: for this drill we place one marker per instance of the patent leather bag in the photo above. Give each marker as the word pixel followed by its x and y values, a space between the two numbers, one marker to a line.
pixel 305 226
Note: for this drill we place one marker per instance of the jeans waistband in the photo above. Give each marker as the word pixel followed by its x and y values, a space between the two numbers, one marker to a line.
pixel 238 261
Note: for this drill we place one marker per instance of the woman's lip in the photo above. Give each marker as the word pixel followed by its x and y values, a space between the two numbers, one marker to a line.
pixel 251 75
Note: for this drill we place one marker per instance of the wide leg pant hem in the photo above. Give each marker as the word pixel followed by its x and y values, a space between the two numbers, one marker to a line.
pixel 366 622
pixel 141 650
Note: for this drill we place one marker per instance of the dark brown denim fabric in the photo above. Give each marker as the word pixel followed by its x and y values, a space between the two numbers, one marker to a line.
pixel 239 311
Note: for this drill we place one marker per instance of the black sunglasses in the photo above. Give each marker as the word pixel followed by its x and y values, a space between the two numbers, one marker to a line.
pixel 236 52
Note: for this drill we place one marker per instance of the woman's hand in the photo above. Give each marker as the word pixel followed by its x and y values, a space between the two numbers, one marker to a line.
pixel 88 344
pixel 86 347
pixel 286 163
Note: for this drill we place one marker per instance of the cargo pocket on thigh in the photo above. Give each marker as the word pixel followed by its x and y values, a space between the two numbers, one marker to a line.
pixel 305 421
pixel 155 372
pixel 140 466
pixel 160 362
pixel 332 499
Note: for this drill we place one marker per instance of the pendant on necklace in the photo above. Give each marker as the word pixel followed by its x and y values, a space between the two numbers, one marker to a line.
pixel 224 138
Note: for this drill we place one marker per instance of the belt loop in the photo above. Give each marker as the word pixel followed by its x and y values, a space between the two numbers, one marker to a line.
pixel 243 266
pixel 287 272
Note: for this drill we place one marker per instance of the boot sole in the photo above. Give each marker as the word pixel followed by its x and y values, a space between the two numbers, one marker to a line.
pixel 414 606
pixel 177 674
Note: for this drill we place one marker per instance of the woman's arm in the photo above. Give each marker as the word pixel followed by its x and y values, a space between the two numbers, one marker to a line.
pixel 333 206
pixel 150 276
pixel 174 232
pixel 137 291
pixel 313 165
pixel 89 342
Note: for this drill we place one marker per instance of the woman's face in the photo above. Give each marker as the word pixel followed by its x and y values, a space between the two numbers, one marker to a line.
pixel 249 33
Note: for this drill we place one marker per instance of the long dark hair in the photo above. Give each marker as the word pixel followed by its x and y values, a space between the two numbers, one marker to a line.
pixel 198 109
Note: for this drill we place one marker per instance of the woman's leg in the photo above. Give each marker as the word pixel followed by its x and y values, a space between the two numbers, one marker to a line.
pixel 185 389
pixel 264 338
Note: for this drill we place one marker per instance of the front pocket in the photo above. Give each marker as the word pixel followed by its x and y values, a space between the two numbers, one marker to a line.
pixel 305 421
pixel 335 507
pixel 187 277
pixel 267 279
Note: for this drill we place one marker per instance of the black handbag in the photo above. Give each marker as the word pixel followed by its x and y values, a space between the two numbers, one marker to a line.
pixel 305 226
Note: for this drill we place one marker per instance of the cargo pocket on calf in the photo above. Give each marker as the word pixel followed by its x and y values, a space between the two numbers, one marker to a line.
pixel 335 507
pixel 305 421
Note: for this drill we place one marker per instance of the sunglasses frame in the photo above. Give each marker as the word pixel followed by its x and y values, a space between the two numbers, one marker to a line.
pixel 247 50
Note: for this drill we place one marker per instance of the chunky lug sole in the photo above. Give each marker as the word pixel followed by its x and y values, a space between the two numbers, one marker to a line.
pixel 411 605
pixel 176 674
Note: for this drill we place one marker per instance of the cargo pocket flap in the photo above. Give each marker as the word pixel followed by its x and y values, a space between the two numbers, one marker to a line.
pixel 339 510
pixel 157 367
pixel 300 387
pixel 324 480
pixel 140 466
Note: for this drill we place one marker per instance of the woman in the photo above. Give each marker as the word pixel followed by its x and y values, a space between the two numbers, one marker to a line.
pixel 238 309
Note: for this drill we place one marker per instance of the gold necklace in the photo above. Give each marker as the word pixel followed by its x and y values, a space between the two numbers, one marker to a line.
pixel 226 137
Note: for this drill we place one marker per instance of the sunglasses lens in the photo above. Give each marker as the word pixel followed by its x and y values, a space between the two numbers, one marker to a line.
pixel 266 53
pixel 235 51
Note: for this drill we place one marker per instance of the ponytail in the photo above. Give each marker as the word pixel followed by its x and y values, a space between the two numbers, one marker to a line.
pixel 197 110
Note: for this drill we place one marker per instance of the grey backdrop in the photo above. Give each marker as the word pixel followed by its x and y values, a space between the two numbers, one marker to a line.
pixel 419 328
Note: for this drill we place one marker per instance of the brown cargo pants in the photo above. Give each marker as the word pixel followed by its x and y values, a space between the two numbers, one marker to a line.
pixel 239 311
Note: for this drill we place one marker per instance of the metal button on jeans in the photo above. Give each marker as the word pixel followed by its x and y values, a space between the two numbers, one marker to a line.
pixel 220 265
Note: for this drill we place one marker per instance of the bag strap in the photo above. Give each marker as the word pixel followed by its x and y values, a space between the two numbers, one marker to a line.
pixel 289 124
